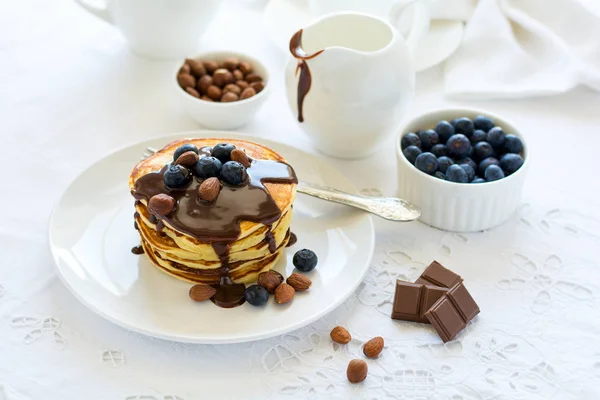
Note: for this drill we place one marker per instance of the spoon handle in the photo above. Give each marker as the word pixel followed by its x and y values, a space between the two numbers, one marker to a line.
pixel 390 208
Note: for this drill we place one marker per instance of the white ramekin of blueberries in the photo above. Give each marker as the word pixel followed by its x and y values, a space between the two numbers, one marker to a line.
pixel 465 168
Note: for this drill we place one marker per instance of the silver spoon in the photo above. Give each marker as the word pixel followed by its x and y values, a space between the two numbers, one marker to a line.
pixel 390 208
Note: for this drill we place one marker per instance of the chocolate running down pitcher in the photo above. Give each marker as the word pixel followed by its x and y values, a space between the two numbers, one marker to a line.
pixel 349 82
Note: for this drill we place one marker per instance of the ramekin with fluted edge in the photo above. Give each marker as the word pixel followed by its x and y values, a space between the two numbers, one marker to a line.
pixel 460 207
pixel 216 115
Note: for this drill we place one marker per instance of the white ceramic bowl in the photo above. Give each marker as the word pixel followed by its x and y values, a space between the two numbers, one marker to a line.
pixel 217 115
pixel 460 207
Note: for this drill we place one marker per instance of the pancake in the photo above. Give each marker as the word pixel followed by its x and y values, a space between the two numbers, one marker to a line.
pixel 234 238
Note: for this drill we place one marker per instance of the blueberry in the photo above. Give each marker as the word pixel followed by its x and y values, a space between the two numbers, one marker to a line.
pixel 482 150
pixel 456 174
pixel 483 123
pixel 256 295
pixel 468 161
pixel 478 180
pixel 439 150
pixel 511 162
pixel 305 260
pixel 469 170
pixel 512 144
pixel 453 122
pixel 222 151
pixel 440 175
pixel 464 126
pixel 233 173
pixel 443 163
pixel 493 173
pixel 478 136
pixel 184 149
pixel 410 139
pixel 208 167
pixel 444 130
pixel 486 163
pixel 459 146
pixel 411 153
pixel 429 138
pixel 495 137
pixel 427 163
pixel 176 176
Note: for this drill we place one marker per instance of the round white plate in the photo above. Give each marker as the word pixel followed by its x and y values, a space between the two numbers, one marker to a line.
pixel 283 18
pixel 91 236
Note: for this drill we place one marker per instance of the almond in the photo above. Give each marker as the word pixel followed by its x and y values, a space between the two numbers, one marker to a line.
pixel 202 292
pixel 340 335
pixel 298 282
pixel 284 293
pixel 270 280
pixel 189 158
pixel 357 371
pixel 209 189
pixel 241 157
pixel 161 204
pixel 373 347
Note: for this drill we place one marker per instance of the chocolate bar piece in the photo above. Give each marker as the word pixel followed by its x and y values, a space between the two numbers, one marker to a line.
pixel 412 300
pixel 437 275
pixel 451 313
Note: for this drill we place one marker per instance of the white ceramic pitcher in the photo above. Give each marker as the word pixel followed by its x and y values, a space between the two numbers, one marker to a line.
pixel 158 28
pixel 362 80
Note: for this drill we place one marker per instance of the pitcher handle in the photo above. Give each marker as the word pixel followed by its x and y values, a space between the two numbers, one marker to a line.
pixel 420 20
pixel 100 12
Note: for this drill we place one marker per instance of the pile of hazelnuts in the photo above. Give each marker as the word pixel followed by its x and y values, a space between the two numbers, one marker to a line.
pixel 225 81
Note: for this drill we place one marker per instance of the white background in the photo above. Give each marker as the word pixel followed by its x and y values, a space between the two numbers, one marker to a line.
pixel 70 91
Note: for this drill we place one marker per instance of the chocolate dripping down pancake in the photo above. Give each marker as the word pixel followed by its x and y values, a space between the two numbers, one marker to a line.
pixel 237 213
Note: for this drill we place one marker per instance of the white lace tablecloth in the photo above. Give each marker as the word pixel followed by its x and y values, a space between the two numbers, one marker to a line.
pixel 70 92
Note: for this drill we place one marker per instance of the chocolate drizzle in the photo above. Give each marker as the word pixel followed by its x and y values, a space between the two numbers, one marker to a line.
pixel 305 80
pixel 270 239
pixel 137 250
pixel 218 223
pixel 292 240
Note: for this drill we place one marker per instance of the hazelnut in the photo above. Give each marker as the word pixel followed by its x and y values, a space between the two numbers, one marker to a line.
pixel 222 77
pixel 242 84
pixel 206 98
pixel 204 83
pixel 233 88
pixel 196 67
pixel 238 75
pixel 229 97
pixel 186 80
pixel 193 92
pixel 252 77
pixel 214 92
pixel 257 86
pixel 247 93
pixel 245 67
pixel 231 63
pixel 211 66
pixel 185 69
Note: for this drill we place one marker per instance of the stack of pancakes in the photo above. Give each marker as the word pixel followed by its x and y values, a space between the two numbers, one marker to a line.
pixel 257 248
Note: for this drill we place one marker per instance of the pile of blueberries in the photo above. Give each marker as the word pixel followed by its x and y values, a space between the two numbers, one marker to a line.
pixel 464 150
pixel 218 165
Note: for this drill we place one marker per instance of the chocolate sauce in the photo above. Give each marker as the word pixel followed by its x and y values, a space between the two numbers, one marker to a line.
pixel 137 250
pixel 270 239
pixel 218 223
pixel 305 80
pixel 292 240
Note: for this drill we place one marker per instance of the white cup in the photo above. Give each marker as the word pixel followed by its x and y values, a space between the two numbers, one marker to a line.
pixel 158 28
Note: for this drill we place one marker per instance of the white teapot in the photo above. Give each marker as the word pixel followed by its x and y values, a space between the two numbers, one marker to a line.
pixel 351 80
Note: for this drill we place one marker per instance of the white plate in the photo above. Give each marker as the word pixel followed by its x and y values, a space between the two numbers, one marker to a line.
pixel 91 236
pixel 283 18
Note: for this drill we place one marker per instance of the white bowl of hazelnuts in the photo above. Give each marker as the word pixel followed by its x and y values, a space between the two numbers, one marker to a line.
pixel 222 90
